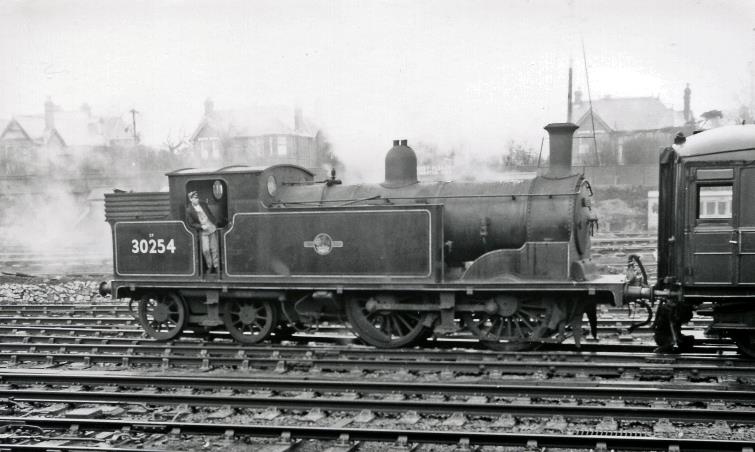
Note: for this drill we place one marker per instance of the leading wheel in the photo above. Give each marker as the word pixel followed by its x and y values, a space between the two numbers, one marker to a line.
pixel 163 316
pixel 385 328
pixel 250 321
pixel 509 323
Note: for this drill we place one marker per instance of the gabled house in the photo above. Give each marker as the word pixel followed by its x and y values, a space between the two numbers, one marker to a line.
pixel 627 129
pixel 36 143
pixel 258 136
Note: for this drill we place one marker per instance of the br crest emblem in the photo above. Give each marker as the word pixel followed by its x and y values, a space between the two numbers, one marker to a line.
pixel 323 244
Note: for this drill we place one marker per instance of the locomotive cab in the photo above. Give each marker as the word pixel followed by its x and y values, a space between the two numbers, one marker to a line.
pixel 226 192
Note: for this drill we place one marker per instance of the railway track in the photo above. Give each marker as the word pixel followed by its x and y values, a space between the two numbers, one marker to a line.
pixel 466 414
pixel 81 376
pixel 544 365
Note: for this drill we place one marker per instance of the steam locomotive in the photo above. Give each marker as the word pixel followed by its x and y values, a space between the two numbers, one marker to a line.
pixel 508 262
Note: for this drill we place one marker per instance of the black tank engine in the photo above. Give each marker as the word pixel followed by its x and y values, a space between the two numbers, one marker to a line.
pixel 508 262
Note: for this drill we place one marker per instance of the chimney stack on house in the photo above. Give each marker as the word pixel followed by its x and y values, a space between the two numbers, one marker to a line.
pixel 209 107
pixel 298 119
pixel 687 95
pixel 578 97
pixel 49 114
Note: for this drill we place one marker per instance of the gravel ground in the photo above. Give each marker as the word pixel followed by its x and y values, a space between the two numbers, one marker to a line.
pixel 30 290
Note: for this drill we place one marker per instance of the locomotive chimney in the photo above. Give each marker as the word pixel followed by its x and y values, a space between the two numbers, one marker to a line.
pixel 561 136
pixel 400 166
pixel 49 114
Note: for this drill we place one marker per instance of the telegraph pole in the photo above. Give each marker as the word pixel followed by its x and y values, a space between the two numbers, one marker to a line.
pixel 568 97
pixel 133 124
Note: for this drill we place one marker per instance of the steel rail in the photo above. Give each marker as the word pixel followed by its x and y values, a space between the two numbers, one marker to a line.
pixel 367 354
pixel 76 321
pixel 636 413
pixel 136 338
pixel 392 435
pixel 489 388
pixel 71 330
pixel 659 369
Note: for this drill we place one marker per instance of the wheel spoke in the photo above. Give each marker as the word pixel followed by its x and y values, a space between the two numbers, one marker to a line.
pixel 397 325
pixel 405 322
pixel 522 334
pixel 388 321
pixel 528 314
pixel 500 329
pixel 526 322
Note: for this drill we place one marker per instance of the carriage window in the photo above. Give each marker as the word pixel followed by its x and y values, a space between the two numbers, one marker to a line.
pixel 714 202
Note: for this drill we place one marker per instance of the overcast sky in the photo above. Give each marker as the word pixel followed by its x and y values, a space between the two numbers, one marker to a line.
pixel 458 73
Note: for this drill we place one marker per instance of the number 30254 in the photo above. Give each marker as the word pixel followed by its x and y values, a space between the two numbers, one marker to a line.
pixel 152 246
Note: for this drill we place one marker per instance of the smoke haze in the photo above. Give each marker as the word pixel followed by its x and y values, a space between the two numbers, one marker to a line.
pixel 472 73
pixel 470 76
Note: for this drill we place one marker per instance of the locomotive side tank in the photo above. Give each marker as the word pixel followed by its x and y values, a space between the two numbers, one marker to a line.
pixel 508 262
pixel 478 217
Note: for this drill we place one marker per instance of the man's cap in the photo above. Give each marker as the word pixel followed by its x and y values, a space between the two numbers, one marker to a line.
pixel 193 194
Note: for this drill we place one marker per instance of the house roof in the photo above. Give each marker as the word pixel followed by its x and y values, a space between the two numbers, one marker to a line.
pixel 630 113
pixel 256 121
pixel 34 126
pixel 75 128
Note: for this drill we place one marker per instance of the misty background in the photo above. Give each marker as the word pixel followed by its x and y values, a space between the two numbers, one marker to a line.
pixel 470 78
pixel 471 73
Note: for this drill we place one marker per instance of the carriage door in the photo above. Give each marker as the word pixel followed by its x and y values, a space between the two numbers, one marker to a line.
pixel 712 239
pixel 746 230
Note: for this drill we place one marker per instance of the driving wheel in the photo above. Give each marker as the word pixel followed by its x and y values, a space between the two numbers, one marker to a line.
pixel 250 321
pixel 508 323
pixel 163 316
pixel 385 328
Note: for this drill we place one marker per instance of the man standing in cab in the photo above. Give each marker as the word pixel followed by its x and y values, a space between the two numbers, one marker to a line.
pixel 200 218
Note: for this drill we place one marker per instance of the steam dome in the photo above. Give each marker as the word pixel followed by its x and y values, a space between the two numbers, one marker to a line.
pixel 400 166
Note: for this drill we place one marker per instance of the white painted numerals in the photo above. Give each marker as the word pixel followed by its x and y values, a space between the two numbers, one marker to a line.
pixel 152 246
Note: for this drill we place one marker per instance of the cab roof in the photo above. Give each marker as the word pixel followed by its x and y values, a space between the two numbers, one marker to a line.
pixel 718 141
pixel 232 169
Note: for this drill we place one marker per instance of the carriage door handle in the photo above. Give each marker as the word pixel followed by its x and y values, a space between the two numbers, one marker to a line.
pixel 737 242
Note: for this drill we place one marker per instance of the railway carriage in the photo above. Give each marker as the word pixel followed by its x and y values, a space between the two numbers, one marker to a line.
pixel 706 236
pixel 400 260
